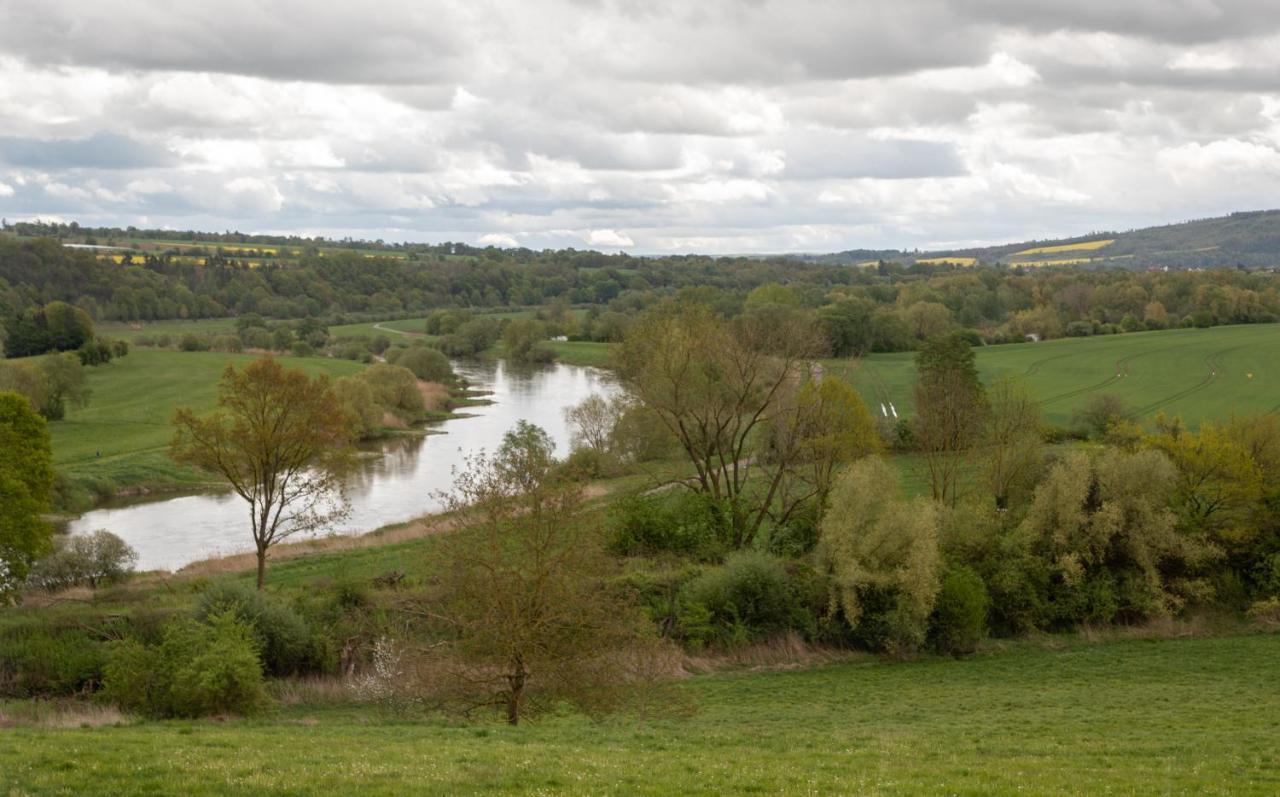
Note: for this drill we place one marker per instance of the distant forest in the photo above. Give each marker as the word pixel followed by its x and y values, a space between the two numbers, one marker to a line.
pixel 882 307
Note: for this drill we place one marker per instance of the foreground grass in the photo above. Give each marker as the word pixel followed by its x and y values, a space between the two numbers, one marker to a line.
pixel 1198 374
pixel 1172 717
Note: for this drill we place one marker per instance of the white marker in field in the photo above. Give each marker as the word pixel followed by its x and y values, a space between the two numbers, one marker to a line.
pixel 883 411
pixel 895 409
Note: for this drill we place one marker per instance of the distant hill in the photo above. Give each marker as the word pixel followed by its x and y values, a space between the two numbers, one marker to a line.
pixel 1249 239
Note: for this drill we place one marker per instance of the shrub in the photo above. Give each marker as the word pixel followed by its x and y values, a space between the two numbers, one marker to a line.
pixel 50 660
pixel 647 524
pixel 282 636
pixel 196 670
pixel 191 342
pixel 747 598
pixel 959 619
pixel 91 560
pixel 227 343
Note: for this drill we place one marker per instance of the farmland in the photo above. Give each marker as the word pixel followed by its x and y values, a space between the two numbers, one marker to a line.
pixel 1127 717
pixel 1197 374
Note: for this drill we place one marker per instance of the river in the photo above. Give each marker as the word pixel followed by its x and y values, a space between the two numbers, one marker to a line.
pixel 398 484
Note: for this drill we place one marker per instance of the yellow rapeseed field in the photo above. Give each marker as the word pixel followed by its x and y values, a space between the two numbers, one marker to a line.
pixel 1086 246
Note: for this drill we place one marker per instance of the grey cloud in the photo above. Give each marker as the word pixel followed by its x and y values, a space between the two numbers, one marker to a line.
pixel 826 157
pixel 1181 21
pixel 99 151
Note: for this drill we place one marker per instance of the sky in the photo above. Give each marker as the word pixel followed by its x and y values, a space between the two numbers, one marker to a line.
pixel 718 126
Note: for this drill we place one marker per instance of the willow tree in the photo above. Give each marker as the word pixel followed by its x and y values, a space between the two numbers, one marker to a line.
pixel 719 386
pixel 279 438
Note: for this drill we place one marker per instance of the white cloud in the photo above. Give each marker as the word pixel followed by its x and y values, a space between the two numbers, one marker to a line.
pixel 609 238
pixel 6 190
pixel 500 239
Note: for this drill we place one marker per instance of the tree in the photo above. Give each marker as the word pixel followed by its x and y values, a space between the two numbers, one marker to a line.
pixel 1103 530
pixel 90 559
pixel 829 428
pixel 427 364
pixel 524 341
pixel 1011 440
pixel 1219 484
pixel 592 422
pixel 880 552
pixel 524 601
pixel 278 438
pixel 65 383
pixel 950 411
pixel 1102 411
pixel 26 490
pixel 718 386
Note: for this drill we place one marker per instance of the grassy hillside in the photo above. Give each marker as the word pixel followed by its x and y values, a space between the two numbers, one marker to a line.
pixel 123 434
pixel 1124 718
pixel 1198 374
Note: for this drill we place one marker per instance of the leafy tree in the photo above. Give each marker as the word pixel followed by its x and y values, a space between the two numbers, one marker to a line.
pixel 1219 483
pixel 523 600
pixel 395 389
pixel 278 439
pixel 92 560
pixel 427 363
pixel 524 341
pixel 1102 529
pixel 26 488
pixel 881 554
pixel 66 384
pixel 1102 411
pixel 950 411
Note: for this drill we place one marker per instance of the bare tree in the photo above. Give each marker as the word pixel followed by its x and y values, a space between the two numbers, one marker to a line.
pixel 524 604
pixel 1012 445
pixel 279 438
pixel 717 386
pixel 950 410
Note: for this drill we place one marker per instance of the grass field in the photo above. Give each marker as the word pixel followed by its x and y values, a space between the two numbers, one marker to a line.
pixel 1198 374
pixel 1186 717
pixel 173 328
pixel 123 434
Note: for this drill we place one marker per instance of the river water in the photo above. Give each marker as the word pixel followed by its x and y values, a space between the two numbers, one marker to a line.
pixel 399 484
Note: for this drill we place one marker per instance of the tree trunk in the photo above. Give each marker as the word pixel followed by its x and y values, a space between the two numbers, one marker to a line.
pixel 262 567
pixel 516 694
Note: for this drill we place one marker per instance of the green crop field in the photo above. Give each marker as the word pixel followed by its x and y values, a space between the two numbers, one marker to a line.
pixel 1198 374
pixel 1171 717
pixel 124 431
pixel 173 328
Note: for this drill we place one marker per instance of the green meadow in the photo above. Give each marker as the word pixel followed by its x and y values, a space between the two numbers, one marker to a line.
pixel 1197 374
pixel 123 435
pixel 1185 717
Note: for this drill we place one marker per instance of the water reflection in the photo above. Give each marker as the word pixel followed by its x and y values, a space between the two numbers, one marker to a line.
pixel 399 483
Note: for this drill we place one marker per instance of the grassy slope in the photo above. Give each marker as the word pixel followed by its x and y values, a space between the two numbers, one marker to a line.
pixel 1171 717
pixel 127 420
pixel 1199 374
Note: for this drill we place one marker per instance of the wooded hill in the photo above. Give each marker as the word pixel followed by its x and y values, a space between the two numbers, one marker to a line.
pixel 1250 239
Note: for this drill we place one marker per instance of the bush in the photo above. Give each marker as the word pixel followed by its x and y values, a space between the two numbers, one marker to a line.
pixel 196 670
pixel 50 660
pixel 959 620
pixel 647 524
pixel 749 597
pixel 428 364
pixel 283 638
pixel 91 560
pixel 190 342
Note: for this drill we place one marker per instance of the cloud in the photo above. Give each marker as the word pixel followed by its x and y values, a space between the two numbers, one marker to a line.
pixel 609 238
pixel 723 125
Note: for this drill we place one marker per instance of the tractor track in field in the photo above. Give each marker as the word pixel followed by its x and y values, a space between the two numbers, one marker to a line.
pixel 1211 362
pixel 1034 368
pixel 1122 370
